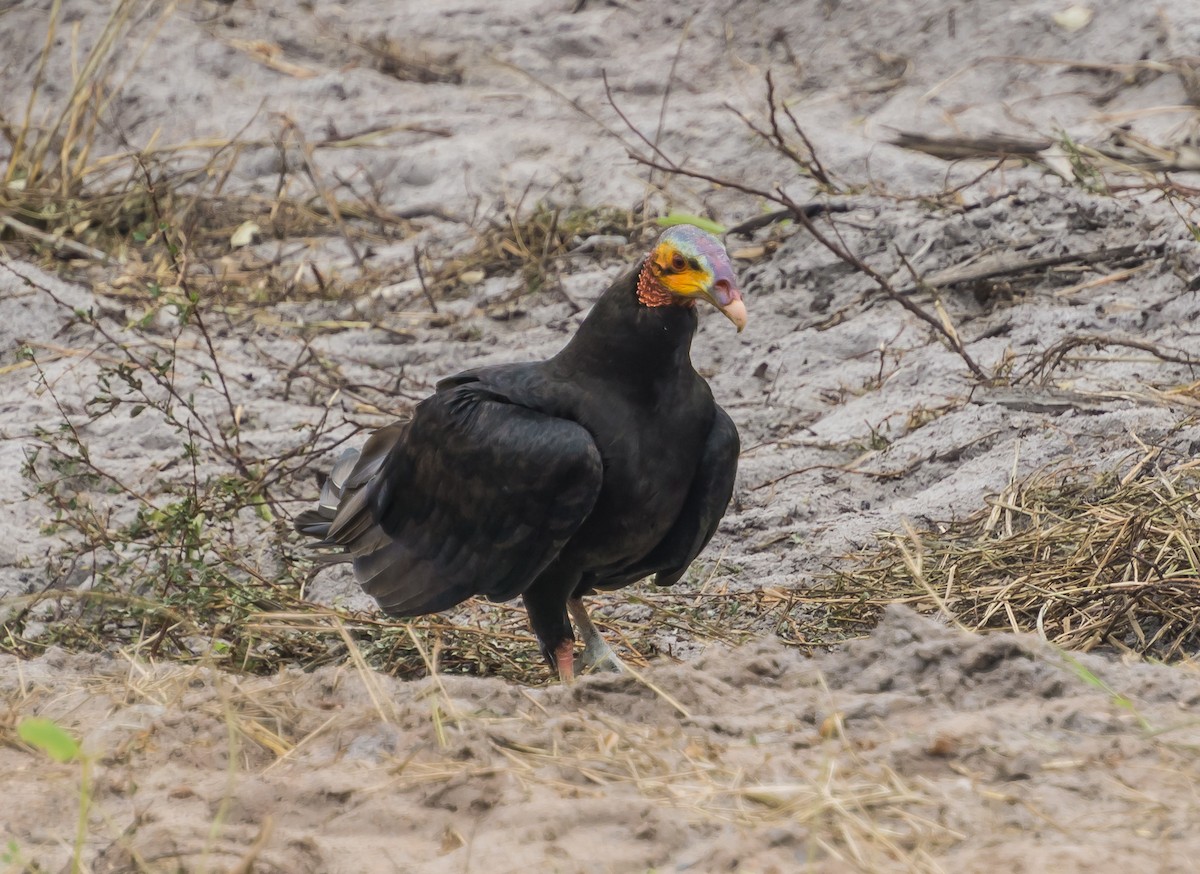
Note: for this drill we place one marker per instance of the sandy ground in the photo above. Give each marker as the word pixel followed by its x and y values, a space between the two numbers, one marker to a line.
pixel 918 748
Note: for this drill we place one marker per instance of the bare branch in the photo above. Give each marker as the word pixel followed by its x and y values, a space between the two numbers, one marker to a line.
pixel 1053 356
pixel 801 215
pixel 670 167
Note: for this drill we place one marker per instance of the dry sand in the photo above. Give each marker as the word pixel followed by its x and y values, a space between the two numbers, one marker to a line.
pixel 918 748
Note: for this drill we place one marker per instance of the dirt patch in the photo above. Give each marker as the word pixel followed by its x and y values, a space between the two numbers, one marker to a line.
pixel 891 752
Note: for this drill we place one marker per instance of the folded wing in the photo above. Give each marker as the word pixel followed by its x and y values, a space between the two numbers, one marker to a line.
pixel 475 496
pixel 697 522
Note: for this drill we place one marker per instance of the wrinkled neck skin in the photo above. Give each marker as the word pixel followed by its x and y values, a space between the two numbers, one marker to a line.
pixel 623 335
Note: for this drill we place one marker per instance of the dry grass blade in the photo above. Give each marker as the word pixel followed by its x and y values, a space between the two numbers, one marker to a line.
pixel 863 813
pixel 659 691
pixel 1112 561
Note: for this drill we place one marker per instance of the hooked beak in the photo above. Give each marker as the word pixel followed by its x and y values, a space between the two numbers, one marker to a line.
pixel 726 297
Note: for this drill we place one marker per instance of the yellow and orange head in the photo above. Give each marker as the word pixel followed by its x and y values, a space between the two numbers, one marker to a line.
pixel 688 263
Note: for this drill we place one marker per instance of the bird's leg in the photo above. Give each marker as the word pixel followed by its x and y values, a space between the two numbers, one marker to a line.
pixel 597 655
pixel 552 628
pixel 564 661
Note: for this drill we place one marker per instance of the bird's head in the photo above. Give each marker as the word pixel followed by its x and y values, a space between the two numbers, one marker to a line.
pixel 687 264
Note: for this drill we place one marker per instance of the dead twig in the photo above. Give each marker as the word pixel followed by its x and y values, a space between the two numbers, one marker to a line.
pixel 417 255
pixel 959 148
pixel 1053 356
pixel 54 241
pixel 811 209
pixel 314 175
pixel 810 164
pixel 658 159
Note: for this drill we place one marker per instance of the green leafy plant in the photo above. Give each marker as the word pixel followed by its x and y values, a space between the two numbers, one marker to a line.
pixel 683 218
pixel 60 745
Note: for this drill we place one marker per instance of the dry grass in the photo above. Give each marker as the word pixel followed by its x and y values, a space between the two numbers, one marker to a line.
pixel 158 229
pixel 845 806
pixel 164 218
pixel 165 222
pixel 1084 561
pixel 865 816
pixel 530 244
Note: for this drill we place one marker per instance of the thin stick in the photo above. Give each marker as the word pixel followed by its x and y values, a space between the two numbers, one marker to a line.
pixel 977 273
pixel 417 254
pixel 54 240
pixel 1053 356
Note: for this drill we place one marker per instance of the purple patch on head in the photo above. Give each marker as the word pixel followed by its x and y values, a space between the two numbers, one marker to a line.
pixel 690 240
pixel 695 243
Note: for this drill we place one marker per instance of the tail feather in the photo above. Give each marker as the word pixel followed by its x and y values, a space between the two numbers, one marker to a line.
pixel 312 523
pixel 342 518
pixel 335 485
pixel 352 520
pixel 318 521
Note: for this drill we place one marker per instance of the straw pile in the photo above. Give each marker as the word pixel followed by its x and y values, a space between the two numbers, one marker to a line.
pixel 1110 561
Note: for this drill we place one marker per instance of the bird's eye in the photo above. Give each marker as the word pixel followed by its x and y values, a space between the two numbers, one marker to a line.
pixel 678 262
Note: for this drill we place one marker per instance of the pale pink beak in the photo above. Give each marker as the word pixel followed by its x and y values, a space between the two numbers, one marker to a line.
pixel 726 297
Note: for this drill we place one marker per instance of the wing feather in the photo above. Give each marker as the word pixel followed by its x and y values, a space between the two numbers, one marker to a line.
pixel 475 496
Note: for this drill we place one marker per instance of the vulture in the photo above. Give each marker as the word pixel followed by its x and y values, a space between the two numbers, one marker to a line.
pixel 591 470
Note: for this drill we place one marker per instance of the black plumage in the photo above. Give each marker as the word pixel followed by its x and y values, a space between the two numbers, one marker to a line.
pixel 593 469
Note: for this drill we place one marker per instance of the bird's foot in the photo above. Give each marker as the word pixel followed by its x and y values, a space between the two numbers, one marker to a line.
pixel 598 657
